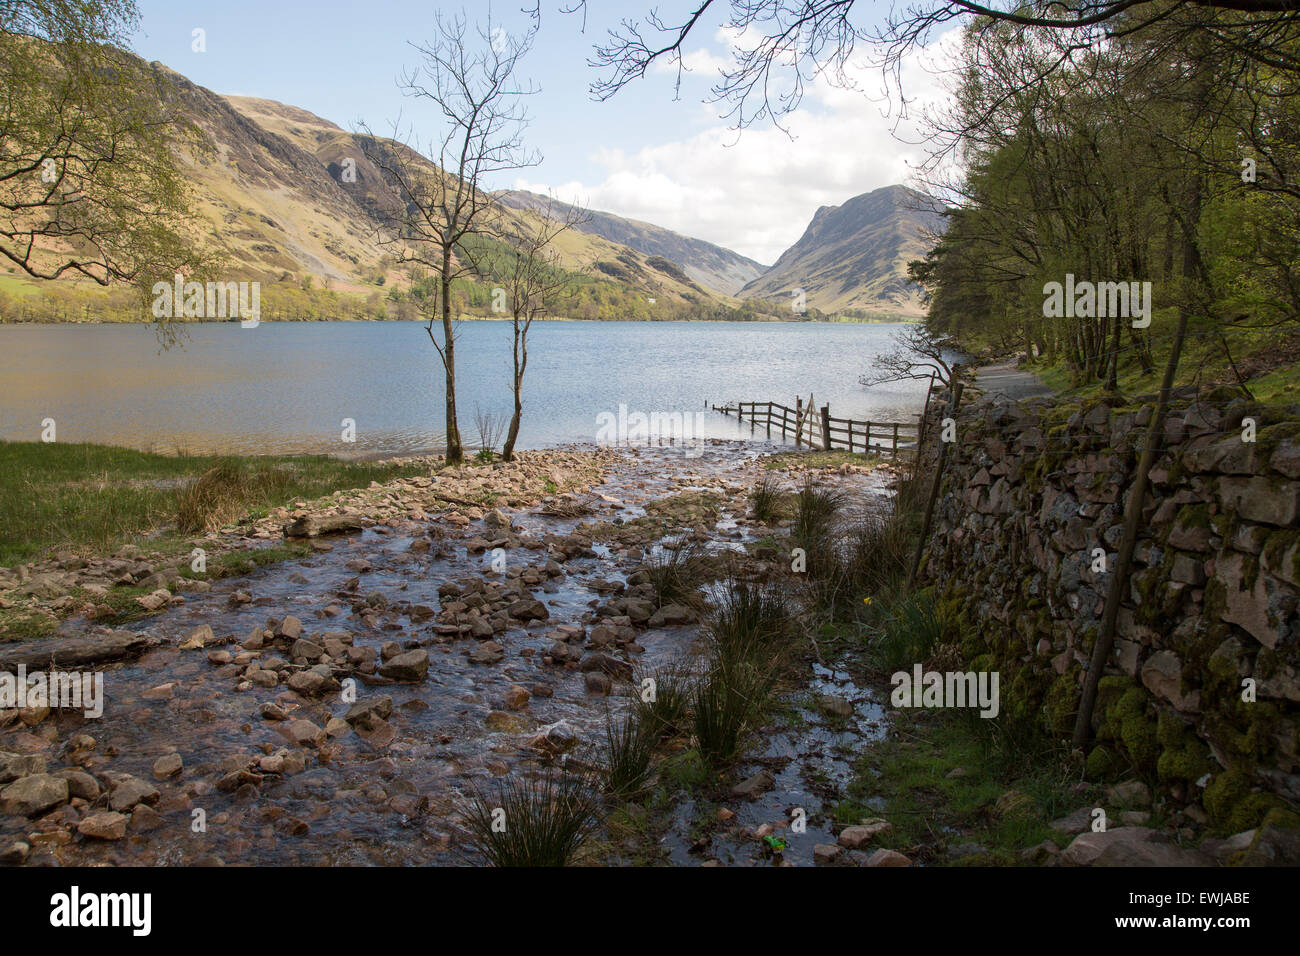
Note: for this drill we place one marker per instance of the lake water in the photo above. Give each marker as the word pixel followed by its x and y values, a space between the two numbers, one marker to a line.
pixel 287 387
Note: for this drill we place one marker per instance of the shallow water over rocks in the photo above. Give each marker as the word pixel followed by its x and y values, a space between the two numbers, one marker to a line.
pixel 271 788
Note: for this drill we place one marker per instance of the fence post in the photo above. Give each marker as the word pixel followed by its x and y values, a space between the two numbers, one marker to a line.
pixel 894 453
pixel 826 427
pixel 934 489
pixel 798 422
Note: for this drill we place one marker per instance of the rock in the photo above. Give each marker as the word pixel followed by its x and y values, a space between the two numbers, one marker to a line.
pixel 311 526
pixel 303 733
pixel 826 853
pixel 167 766
pixel 1077 822
pixel 503 722
pixel 517 697
pixel 598 684
pixel 237 779
pixel 13 766
pixel 15 854
pixel 750 788
pixel 336 727
pixel 1272 846
pixel 365 712
pixel 311 684
pixel 1130 793
pixel 411 666
pixel 607 664
pixel 80 784
pixel 671 615
pixel 308 650
pixel 290 628
pixel 103 826
pixel 489 652
pixel 154 601
pixel 33 794
pixel 198 638
pixel 1040 854
pixel 887 858
pixel 835 706
pixel 1086 848
pixel 1163 676
pixel 856 837
pixel 128 791
pixel 528 609
pixel 1128 853
pixel 145 818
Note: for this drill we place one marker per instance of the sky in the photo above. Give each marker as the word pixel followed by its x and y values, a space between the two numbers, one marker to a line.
pixel 651 152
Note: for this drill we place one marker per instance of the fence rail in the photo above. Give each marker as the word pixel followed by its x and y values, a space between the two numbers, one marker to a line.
pixel 818 428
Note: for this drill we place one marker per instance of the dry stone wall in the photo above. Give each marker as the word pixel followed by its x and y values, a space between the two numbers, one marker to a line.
pixel 1201 692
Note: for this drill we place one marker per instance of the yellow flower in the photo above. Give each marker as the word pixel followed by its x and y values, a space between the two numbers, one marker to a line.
pixel 866 600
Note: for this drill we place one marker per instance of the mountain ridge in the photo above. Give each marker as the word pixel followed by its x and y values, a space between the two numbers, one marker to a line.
pixel 852 258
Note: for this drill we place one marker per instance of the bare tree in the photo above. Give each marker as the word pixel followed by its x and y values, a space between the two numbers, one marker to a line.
pixel 782 45
pixel 471 82
pixel 917 354
pixel 529 273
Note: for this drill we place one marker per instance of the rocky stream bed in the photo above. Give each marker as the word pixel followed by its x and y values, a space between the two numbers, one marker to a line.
pixel 442 634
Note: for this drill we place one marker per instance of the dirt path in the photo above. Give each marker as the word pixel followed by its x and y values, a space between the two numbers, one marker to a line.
pixel 1010 382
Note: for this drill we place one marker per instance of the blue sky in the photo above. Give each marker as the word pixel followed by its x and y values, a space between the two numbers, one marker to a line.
pixel 642 154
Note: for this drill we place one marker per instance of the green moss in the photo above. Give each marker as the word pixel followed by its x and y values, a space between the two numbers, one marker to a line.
pixel 1183 757
pixel 1061 704
pixel 1103 763
pixel 1233 806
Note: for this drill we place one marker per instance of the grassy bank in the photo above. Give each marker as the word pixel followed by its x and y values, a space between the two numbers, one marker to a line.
pixel 92 499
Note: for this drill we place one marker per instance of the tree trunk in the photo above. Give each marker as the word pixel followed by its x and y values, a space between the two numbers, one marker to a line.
pixel 455 453
pixel 508 452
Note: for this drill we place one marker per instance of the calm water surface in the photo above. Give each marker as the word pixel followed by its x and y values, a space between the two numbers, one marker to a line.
pixel 287 387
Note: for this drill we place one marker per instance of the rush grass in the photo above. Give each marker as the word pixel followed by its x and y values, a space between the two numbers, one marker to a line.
pixel 93 498
pixel 533 822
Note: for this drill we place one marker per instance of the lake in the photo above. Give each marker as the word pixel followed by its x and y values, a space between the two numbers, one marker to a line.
pixel 287 387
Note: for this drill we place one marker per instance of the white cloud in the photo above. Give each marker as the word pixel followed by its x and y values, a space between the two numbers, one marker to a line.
pixel 756 192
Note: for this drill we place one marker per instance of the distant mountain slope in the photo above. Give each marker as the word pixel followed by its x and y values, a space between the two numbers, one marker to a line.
pixel 855 255
pixel 335 148
pixel 709 265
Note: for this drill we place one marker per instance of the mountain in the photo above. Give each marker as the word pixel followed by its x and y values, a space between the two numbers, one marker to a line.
pixel 709 265
pixel 853 257
pixel 287 198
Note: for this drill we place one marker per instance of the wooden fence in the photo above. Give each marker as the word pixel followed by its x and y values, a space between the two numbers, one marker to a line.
pixel 818 428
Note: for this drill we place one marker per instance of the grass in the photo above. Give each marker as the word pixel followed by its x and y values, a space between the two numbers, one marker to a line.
pixel 939 785
pixel 912 628
pixel 821 459
pixel 666 711
pixel 751 623
pixel 815 511
pixel 677 570
pixel 765 499
pixel 530 822
pixel 94 498
pixel 629 747
pixel 726 706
